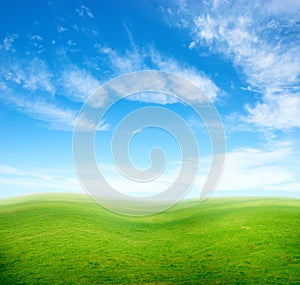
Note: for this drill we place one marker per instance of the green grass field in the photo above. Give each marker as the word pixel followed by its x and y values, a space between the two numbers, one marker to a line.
pixel 68 239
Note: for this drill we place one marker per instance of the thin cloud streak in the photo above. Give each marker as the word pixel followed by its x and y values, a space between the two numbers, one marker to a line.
pixel 259 44
pixel 17 181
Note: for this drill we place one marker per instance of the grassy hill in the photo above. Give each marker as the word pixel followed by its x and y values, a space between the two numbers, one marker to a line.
pixel 68 239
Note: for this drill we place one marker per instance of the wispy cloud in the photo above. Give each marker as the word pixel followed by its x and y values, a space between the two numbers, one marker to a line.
pixel 85 124
pixel 264 169
pixel 151 97
pixel 277 111
pixel 30 75
pixel 137 59
pixel 78 83
pixel 205 84
pixel 130 187
pixel 253 170
pixel 150 58
pixel 36 37
pixel 8 41
pixel 84 11
pixel 55 117
pixel 34 86
pixel 262 40
pixel 61 29
pixel 31 87
pixel 123 62
pixel 17 181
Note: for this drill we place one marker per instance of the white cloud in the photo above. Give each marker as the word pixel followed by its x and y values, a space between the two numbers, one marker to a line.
pixel 192 45
pixel 136 60
pixel 37 37
pixel 7 169
pixel 276 112
pixel 84 11
pixel 78 83
pixel 262 40
pixel 26 85
pixel 261 169
pixel 206 27
pixel 150 97
pixel 272 169
pixel 146 58
pixel 30 87
pixel 287 9
pixel 131 187
pixel 61 29
pixel 56 117
pixel 267 63
pixel 83 123
pixel 265 170
pixel 126 62
pixel 8 42
pixel 31 75
pixel 205 84
pixel 18 181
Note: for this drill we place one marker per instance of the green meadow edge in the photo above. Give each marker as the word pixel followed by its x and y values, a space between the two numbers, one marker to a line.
pixel 69 239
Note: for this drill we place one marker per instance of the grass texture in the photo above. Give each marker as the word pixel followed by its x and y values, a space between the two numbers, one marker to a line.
pixel 69 239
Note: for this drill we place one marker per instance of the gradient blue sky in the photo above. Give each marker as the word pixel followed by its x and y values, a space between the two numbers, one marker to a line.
pixel 244 55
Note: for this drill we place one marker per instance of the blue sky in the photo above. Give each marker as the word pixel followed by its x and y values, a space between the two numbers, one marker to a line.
pixel 243 55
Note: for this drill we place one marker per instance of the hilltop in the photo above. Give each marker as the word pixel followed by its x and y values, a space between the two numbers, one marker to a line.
pixel 68 239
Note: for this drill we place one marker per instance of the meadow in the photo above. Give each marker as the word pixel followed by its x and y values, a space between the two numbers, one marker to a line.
pixel 69 239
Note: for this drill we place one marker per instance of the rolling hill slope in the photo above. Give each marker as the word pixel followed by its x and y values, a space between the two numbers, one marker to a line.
pixel 68 239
